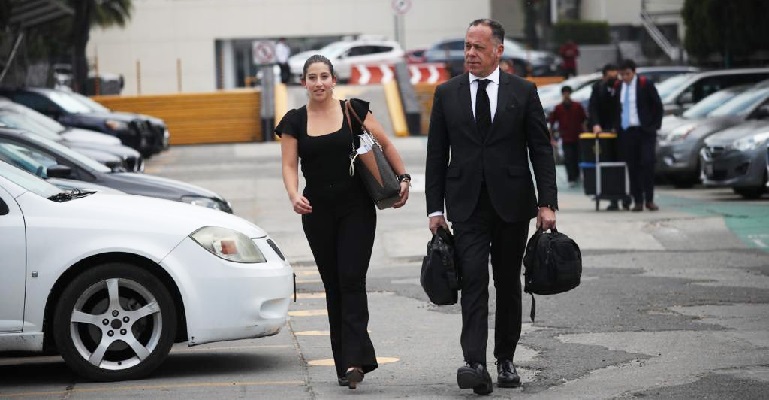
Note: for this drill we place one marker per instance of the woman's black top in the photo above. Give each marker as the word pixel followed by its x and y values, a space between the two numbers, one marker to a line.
pixel 325 159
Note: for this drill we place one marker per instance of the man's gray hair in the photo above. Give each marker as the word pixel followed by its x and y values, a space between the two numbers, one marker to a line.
pixel 497 31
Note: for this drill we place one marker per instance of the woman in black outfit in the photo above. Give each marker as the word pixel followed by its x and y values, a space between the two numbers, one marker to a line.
pixel 338 216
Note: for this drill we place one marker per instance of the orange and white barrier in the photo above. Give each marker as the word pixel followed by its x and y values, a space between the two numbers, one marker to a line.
pixel 371 74
pixel 384 73
pixel 428 73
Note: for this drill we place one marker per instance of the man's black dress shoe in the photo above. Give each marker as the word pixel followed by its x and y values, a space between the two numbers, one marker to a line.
pixel 508 376
pixel 475 376
pixel 343 381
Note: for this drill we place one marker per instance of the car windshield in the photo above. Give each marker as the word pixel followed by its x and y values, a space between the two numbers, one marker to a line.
pixel 741 104
pixel 19 121
pixel 710 103
pixel 27 180
pixel 68 103
pixel 89 102
pixel 332 50
pixel 668 86
pixel 57 148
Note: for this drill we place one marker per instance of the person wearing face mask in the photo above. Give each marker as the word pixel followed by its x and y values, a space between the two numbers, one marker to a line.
pixel 602 115
pixel 338 215
pixel 570 118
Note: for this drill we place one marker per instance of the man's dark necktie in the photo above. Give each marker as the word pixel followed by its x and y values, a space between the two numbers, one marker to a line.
pixel 482 107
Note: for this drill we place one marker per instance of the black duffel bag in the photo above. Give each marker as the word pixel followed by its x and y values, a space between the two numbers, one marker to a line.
pixel 553 264
pixel 440 274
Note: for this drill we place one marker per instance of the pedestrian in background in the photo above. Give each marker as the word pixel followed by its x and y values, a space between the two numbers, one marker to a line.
pixel 338 215
pixel 639 109
pixel 570 119
pixel 485 126
pixel 569 52
pixel 282 53
pixel 603 118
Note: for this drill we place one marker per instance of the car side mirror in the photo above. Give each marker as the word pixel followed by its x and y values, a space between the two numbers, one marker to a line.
pixel 59 171
pixel 3 208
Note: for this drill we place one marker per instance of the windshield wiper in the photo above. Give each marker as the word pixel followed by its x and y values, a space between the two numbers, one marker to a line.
pixel 61 197
pixel 67 196
pixel 80 193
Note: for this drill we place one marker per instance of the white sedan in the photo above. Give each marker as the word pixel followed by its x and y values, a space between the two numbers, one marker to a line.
pixel 346 54
pixel 111 282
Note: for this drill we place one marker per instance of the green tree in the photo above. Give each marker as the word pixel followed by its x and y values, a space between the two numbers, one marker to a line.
pixel 733 30
pixel 90 13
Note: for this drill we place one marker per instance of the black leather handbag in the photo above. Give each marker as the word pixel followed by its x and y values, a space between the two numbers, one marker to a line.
pixel 369 160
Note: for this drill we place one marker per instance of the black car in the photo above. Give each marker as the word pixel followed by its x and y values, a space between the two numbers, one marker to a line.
pixel 46 158
pixel 160 134
pixel 131 129
pixel 97 145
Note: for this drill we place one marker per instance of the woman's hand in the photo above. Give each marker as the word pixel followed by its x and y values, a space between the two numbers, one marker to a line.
pixel 301 204
pixel 404 194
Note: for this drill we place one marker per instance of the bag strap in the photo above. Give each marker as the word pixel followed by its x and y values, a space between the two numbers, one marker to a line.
pixel 533 308
pixel 347 107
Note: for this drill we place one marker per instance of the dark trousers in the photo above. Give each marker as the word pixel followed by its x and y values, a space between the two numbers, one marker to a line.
pixel 340 231
pixel 285 72
pixel 484 234
pixel 571 160
pixel 637 148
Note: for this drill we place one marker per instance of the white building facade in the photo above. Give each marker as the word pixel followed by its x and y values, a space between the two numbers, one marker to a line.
pixel 204 45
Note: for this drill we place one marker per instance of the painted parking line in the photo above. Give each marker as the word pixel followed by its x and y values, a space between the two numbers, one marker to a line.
pixel 298 281
pixel 307 313
pixel 113 389
pixel 312 333
pixel 329 362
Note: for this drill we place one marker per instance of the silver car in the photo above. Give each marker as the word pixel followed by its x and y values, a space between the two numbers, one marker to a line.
pixel 737 158
pixel 678 153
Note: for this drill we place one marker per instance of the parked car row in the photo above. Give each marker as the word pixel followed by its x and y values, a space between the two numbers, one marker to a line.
pixel 716 128
pixel 145 134
pixel 95 277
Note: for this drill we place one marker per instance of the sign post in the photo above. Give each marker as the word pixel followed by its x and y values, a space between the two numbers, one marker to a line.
pixel 264 57
pixel 400 7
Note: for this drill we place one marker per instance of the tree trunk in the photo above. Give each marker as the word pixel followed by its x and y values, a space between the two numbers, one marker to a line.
pixel 81 29
pixel 530 23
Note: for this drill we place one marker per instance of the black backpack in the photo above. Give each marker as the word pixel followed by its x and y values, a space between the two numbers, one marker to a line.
pixel 553 264
pixel 440 276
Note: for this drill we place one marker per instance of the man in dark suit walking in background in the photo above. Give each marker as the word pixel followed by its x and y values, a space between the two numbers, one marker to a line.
pixel 483 124
pixel 639 110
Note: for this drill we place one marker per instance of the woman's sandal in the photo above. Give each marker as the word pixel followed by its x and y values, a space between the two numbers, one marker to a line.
pixel 354 376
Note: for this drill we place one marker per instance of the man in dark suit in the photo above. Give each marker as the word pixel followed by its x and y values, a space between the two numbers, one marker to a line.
pixel 483 124
pixel 602 116
pixel 639 110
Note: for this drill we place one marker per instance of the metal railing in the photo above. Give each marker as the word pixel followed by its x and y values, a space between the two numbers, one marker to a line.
pixel 648 22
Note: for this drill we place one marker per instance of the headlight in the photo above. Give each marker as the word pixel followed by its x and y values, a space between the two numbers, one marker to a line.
pixel 115 125
pixel 680 133
pixel 228 244
pixel 750 142
pixel 203 202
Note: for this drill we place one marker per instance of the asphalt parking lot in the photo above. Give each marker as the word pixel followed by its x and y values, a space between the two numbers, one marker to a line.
pixel 673 304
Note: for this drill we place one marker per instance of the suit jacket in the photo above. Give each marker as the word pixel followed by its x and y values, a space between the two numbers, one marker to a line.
pixel 601 109
pixel 459 158
pixel 648 102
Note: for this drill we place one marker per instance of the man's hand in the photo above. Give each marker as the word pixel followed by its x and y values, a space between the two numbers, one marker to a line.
pixel 437 221
pixel 545 218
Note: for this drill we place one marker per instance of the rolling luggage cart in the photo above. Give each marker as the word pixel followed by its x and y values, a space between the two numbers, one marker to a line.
pixel 605 178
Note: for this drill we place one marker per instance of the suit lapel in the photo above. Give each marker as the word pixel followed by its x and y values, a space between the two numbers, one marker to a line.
pixel 504 96
pixel 466 103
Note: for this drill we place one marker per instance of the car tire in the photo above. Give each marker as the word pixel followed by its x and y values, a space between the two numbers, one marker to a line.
pixel 114 322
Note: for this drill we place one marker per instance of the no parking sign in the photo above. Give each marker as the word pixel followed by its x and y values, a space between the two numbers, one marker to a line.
pixel 264 52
